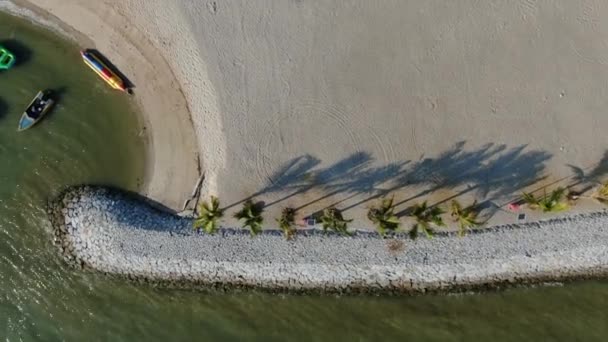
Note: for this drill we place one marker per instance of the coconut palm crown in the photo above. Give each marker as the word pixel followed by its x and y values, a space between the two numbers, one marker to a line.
pixel 332 219
pixel 252 216
pixel 425 217
pixel 383 216
pixel 466 217
pixel 552 202
pixel 287 222
pixel 209 215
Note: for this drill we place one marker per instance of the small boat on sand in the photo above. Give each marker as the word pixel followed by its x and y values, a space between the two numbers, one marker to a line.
pixel 40 105
pixel 94 62
pixel 7 59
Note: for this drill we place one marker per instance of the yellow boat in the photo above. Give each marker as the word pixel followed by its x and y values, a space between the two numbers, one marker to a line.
pixel 101 69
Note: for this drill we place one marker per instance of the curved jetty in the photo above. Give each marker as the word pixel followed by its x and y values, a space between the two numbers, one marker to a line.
pixel 118 233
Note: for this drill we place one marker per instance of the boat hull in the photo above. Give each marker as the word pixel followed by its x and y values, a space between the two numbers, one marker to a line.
pixel 35 111
pixel 102 70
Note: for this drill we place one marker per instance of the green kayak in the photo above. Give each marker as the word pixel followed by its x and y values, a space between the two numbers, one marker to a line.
pixel 7 59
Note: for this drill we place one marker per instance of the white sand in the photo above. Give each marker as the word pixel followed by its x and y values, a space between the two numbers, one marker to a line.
pixel 332 101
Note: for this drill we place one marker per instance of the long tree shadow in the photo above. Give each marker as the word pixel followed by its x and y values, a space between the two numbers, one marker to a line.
pixel 447 170
pixel 370 181
pixel 504 176
pixel 343 176
pixel 354 173
pixel 491 172
pixel 590 176
pixel 600 170
pixel 294 176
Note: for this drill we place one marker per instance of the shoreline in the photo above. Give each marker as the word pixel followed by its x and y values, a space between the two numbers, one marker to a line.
pixel 115 233
pixel 170 172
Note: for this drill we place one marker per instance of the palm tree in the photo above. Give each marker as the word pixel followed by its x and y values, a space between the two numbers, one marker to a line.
pixel 252 214
pixel 209 215
pixel 383 216
pixel 332 219
pixel 287 221
pixel 466 217
pixel 425 217
pixel 552 202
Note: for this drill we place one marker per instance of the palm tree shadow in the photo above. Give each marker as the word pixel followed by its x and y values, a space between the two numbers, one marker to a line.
pixel 22 53
pixel 590 175
pixel 352 175
pixel 294 173
pixel 486 210
pixel 600 170
pixel 491 172
pixel 291 176
pixel 512 171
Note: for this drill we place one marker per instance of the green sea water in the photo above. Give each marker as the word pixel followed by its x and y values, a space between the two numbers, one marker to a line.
pixel 93 136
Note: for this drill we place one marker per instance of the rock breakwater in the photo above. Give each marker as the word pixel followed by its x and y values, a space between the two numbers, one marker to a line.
pixel 120 234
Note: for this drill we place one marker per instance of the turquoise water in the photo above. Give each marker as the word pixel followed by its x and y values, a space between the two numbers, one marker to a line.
pixel 93 136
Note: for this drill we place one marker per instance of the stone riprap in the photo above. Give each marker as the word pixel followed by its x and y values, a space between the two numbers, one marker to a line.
pixel 118 233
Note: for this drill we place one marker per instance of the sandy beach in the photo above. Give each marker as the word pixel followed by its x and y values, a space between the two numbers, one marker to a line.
pixel 311 104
